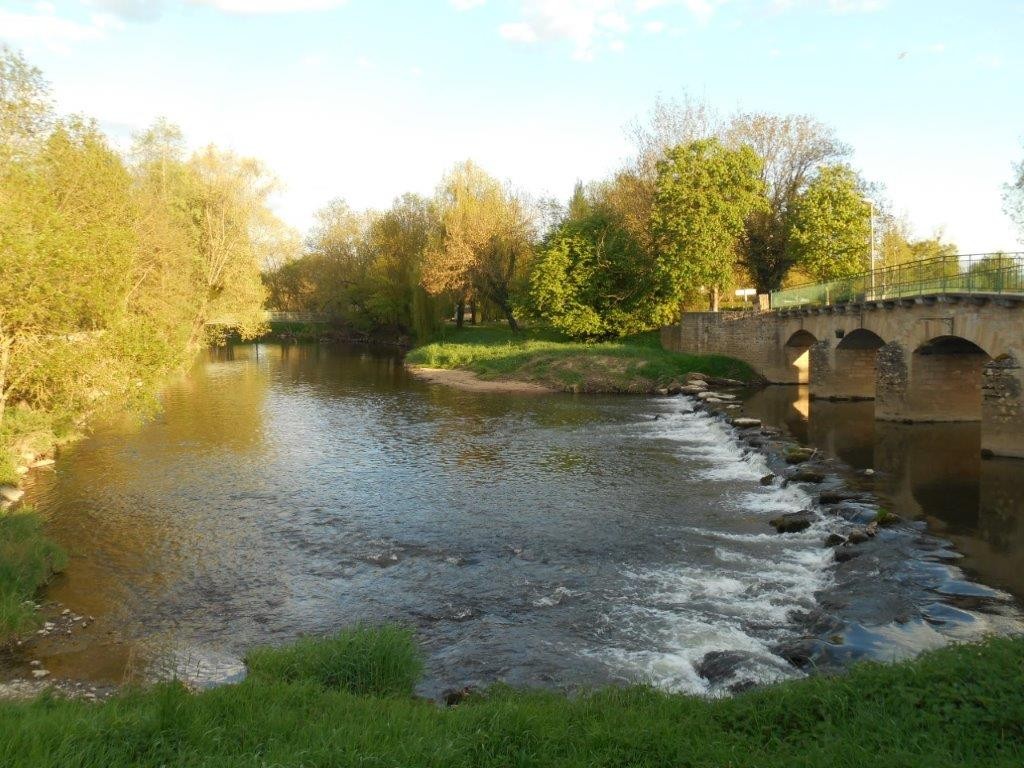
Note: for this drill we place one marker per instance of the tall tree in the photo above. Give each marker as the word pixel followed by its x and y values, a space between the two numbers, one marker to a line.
pixel 791 149
pixel 703 195
pixel 483 241
pixel 830 226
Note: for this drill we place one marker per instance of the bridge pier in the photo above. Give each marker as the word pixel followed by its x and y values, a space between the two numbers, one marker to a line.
pixel 1002 409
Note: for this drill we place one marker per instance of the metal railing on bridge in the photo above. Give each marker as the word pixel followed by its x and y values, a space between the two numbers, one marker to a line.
pixel 977 273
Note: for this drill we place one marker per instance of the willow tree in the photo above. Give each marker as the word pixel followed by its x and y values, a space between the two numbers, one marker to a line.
pixel 704 194
pixel 482 243
pixel 227 204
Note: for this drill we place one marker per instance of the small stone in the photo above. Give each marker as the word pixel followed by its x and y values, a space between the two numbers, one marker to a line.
pixel 663 391
pixel 40 673
pixel 43 463
pixel 21 470
pixel 767 480
pixel 834 540
pixel 845 554
pixel 35 663
pixel 869 472
pixel 66 612
pixel 871 528
pixel 692 389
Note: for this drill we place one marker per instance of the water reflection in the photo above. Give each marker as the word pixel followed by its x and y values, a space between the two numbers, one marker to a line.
pixel 930 472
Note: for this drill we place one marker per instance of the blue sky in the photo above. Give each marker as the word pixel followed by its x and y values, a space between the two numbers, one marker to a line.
pixel 366 99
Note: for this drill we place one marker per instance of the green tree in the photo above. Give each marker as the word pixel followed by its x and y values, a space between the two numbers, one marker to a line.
pixel 791 149
pixel 703 196
pixel 830 226
pixel 593 279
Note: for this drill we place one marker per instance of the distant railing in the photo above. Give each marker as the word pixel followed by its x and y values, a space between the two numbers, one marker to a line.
pixel 976 273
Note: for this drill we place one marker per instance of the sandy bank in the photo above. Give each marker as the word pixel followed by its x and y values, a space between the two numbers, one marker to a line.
pixel 467 380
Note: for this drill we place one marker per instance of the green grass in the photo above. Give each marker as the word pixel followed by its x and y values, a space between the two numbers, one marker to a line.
pixel 956 706
pixel 381 661
pixel 632 364
pixel 27 561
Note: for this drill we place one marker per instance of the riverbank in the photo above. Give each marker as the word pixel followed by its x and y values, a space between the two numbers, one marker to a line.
pixel 349 700
pixel 635 364
pixel 28 560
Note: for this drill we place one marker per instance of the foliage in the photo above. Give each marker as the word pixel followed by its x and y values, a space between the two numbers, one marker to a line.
pixel 1013 199
pixel 957 706
pixel 703 195
pixel 363 269
pixel 593 279
pixel 830 226
pixel 111 270
pixel 27 561
pixel 632 364
pixel 483 240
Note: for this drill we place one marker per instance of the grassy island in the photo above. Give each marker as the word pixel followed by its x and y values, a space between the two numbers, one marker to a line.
pixel 635 363
pixel 349 700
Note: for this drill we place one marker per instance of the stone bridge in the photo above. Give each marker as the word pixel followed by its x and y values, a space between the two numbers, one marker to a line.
pixel 950 357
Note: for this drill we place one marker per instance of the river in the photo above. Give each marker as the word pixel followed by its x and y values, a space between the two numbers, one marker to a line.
pixel 556 540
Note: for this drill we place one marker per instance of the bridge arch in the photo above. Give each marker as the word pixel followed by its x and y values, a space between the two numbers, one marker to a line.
pixel 946 374
pixel 797 354
pixel 855 364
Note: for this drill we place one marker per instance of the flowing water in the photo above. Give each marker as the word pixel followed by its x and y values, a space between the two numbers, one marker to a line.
pixel 554 540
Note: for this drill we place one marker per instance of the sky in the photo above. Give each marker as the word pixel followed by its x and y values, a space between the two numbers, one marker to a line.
pixel 367 99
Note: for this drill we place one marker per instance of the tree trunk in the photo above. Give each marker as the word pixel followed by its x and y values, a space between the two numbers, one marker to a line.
pixel 460 313
pixel 507 310
pixel 472 311
pixel 714 298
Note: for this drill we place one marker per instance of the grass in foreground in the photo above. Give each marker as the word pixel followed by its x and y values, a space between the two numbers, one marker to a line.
pixel 309 705
pixel 632 364
pixel 27 561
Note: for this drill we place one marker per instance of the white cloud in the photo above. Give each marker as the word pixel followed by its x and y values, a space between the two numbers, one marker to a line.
pixel 592 25
pixel 584 23
pixel 57 33
pixel 466 5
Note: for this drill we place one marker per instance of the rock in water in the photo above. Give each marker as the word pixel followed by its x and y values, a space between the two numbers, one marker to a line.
pixel 792 522
pixel 857 536
pixel 807 475
pixel 834 540
pixel 798 454
pixel 743 422
pixel 10 493
pixel 767 479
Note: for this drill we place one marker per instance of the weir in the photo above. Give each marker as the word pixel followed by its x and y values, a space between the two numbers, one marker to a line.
pixel 940 340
